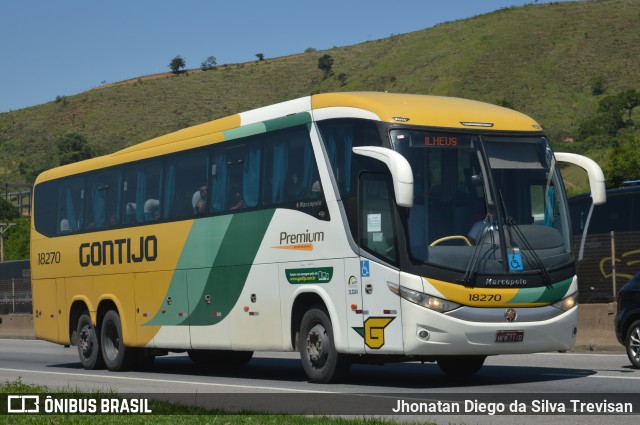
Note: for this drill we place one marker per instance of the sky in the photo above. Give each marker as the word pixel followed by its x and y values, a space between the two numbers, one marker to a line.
pixel 64 47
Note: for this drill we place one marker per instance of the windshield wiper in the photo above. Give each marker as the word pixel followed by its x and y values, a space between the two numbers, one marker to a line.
pixel 510 223
pixel 473 261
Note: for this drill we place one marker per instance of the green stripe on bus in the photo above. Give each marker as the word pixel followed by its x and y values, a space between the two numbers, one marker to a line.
pixel 231 267
pixel 288 121
pixel 213 268
pixel 244 131
pixel 543 294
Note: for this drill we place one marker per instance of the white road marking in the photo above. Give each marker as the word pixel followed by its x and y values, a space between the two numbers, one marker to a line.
pixel 167 381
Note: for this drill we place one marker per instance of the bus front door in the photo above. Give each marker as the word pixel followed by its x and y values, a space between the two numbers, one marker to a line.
pixel 381 327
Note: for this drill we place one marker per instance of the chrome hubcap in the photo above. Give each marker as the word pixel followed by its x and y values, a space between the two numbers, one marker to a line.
pixel 317 343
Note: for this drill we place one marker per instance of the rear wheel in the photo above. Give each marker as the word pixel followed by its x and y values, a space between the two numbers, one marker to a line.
pixel 320 360
pixel 89 344
pixel 117 357
pixel 632 342
pixel 461 365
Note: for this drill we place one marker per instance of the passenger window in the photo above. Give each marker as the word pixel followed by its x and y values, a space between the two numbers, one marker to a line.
pixel 186 187
pixel 103 192
pixel 291 173
pixel 70 206
pixel 141 192
pixel 236 175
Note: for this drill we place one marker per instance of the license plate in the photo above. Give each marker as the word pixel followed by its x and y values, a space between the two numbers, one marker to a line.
pixel 509 336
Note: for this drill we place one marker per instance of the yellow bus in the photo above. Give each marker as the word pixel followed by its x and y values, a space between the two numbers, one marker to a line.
pixel 351 227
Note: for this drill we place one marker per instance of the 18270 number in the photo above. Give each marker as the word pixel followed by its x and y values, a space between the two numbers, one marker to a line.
pixel 485 297
pixel 52 257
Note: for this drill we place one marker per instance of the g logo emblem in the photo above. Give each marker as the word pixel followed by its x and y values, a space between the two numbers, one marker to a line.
pixel 510 315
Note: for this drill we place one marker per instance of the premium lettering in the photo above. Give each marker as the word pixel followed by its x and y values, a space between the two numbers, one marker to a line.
pixel 296 238
pixel 119 251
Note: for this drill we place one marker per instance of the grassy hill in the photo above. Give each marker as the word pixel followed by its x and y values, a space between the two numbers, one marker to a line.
pixel 540 59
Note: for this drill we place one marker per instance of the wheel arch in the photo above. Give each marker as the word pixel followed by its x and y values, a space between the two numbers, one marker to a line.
pixel 629 320
pixel 78 307
pixel 302 303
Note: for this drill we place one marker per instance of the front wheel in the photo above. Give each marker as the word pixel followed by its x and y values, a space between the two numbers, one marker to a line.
pixel 117 357
pixel 458 366
pixel 89 344
pixel 632 342
pixel 320 360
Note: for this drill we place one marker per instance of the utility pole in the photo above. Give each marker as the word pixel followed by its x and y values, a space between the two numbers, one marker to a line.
pixel 3 228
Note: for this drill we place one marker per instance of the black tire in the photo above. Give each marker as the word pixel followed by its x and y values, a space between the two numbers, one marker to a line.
pixel 632 342
pixel 215 359
pixel 88 344
pixel 117 357
pixel 320 360
pixel 459 366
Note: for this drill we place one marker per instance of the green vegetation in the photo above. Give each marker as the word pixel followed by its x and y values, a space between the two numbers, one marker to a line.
pixel 165 413
pixel 556 62
pixel 209 63
pixel 177 64
pixel 325 64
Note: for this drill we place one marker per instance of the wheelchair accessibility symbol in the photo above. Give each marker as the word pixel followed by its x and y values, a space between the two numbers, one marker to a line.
pixel 364 268
pixel 515 262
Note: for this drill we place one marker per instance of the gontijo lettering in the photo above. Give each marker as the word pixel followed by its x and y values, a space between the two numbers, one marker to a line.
pixel 119 251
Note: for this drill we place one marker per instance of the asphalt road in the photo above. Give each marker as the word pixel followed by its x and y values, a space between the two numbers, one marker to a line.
pixel 549 379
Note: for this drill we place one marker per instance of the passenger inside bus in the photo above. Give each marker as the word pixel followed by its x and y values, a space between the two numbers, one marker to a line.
pixel 199 200
pixel 151 209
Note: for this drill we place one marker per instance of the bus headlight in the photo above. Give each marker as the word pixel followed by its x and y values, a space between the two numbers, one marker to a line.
pixel 425 300
pixel 567 303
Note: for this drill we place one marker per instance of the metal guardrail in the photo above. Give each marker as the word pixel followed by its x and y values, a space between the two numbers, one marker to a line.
pixel 15 296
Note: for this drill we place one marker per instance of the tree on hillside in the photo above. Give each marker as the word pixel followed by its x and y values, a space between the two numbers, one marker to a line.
pixel 260 56
pixel 73 147
pixel 16 240
pixel 209 63
pixel 16 243
pixel 624 161
pixel 176 64
pixel 325 64
pixel 611 114
pixel 8 211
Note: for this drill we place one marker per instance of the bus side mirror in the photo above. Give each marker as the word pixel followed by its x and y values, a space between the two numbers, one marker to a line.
pixel 400 171
pixel 596 176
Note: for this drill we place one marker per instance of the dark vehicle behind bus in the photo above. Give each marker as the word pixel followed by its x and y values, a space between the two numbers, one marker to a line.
pixel 620 214
pixel 627 320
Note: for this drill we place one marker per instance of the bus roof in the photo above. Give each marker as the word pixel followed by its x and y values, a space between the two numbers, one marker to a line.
pixel 423 110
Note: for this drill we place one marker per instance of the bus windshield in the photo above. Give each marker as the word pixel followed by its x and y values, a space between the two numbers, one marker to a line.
pixel 485 204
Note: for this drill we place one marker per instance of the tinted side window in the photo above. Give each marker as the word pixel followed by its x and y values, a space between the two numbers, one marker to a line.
pixel 45 201
pixel 141 192
pixel 291 178
pixel 339 137
pixel 70 207
pixel 103 199
pixel 236 175
pixel 186 186
pixel 376 222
